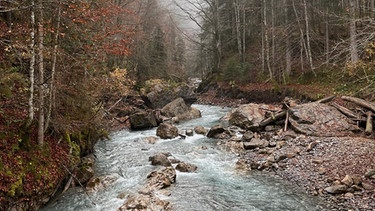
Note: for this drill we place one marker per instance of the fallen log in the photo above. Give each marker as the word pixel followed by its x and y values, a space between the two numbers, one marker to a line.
pixel 326 99
pixel 284 113
pixel 272 118
pixel 360 102
pixel 345 111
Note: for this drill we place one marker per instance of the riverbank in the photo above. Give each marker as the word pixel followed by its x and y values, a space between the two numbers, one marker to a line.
pixel 314 163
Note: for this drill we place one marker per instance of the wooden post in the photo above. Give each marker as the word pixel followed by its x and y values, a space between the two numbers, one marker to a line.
pixel 369 126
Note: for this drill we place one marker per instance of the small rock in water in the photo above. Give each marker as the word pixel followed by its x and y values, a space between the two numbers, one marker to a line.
pixel 200 130
pixel 215 131
pixel 186 167
pixel 189 132
pixel 167 131
pixel 160 159
pixel 151 139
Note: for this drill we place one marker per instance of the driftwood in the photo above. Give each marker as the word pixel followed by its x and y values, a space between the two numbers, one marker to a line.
pixel 286 121
pixel 345 111
pixel 360 102
pixel 282 114
pixel 369 126
pixel 273 118
pixel 362 118
pixel 326 99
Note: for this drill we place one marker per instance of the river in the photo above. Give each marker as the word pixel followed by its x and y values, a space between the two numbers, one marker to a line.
pixel 214 186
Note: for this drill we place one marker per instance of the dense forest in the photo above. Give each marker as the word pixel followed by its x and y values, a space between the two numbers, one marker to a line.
pixel 62 61
pixel 277 40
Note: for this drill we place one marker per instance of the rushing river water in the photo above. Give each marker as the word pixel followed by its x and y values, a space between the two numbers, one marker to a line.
pixel 215 186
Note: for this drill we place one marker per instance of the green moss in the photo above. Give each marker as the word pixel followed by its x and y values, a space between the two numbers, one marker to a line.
pixel 8 80
pixel 16 187
pixel 75 149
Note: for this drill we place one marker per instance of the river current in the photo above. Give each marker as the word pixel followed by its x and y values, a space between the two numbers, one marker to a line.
pixel 214 186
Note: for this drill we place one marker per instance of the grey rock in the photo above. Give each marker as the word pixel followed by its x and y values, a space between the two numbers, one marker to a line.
pixel 143 120
pixel 167 131
pixel 145 202
pixel 160 159
pixel 189 132
pixel 186 167
pixel 161 178
pixel 368 186
pixel 215 131
pixel 255 143
pixel 248 116
pixel 200 130
pixel 336 189
pixel 100 183
pixel 247 136
pixel 320 119
pixel 370 174
pixel 178 108
pixel 348 181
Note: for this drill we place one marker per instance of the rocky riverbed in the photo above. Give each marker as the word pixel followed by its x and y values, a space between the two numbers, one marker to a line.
pixel 339 169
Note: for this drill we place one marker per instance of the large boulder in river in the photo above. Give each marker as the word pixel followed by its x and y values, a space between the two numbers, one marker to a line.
pixel 200 130
pixel 162 178
pixel 143 120
pixel 178 108
pixel 145 202
pixel 249 116
pixel 167 131
pixel 216 131
pixel 158 93
pixel 186 167
pixel 319 119
pixel 160 159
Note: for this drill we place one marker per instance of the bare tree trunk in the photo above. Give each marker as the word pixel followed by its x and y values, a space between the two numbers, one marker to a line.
pixel 308 38
pixel 263 49
pixel 243 32
pixel 53 71
pixel 303 43
pixel 327 35
pixel 217 36
pixel 41 76
pixel 238 22
pixel 266 41
pixel 288 53
pixel 273 40
pixel 32 65
pixel 353 34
